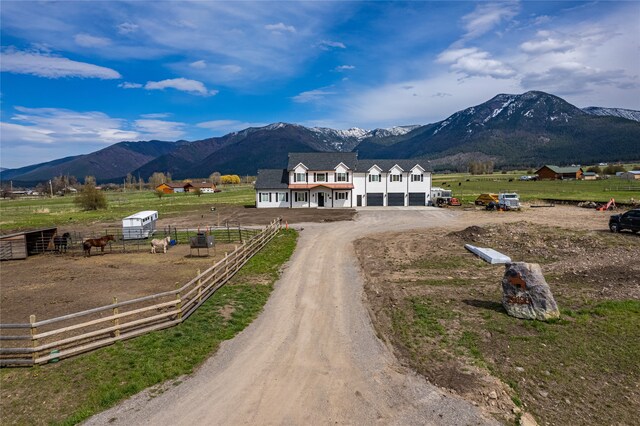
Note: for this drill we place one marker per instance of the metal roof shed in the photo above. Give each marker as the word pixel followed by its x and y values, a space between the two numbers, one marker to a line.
pixel 139 225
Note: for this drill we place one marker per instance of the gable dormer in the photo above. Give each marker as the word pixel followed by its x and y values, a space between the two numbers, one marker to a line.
pixel 300 174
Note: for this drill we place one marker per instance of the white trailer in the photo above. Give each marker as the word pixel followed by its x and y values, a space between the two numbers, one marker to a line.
pixel 140 225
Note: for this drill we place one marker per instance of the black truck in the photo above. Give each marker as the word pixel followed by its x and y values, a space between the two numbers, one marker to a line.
pixel 629 220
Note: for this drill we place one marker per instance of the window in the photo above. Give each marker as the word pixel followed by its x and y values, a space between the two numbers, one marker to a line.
pixel 282 196
pixel 341 177
pixel 301 197
pixel 342 196
pixel 416 178
pixel 264 197
pixel 396 178
pixel 374 178
pixel 300 177
pixel 321 177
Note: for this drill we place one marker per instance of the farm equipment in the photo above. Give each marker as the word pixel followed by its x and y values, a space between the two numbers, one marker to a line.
pixel 485 199
pixel 609 206
pixel 454 202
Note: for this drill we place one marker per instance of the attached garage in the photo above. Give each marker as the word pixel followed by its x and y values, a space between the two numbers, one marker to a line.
pixel 396 199
pixel 375 199
pixel 417 199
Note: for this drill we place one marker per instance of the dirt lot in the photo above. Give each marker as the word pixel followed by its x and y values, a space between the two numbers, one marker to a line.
pixel 51 285
pixel 439 308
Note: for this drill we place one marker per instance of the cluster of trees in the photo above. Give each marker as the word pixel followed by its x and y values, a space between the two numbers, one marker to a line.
pixel 611 169
pixel 480 167
pixel 230 179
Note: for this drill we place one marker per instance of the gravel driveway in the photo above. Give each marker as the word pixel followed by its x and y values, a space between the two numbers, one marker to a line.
pixel 312 356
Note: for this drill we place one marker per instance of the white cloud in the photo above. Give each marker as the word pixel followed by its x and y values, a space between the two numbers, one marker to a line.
pixel 127 28
pixel 159 129
pixel 199 65
pixel 280 27
pixel 545 43
pixel 231 69
pixel 313 95
pixel 57 125
pixel 487 16
pixel 328 44
pixel 341 68
pixel 156 115
pixel 475 62
pixel 182 84
pixel 129 85
pixel 87 40
pixel 46 65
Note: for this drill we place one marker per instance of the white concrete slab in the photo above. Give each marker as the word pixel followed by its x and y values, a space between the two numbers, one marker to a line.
pixel 488 255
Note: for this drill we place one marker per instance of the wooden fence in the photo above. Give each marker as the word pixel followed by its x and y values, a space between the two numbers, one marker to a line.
pixel 68 335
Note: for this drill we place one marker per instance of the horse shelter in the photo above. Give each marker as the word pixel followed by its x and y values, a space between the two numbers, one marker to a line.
pixel 26 243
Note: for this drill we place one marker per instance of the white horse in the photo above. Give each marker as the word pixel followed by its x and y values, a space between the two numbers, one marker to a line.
pixel 163 243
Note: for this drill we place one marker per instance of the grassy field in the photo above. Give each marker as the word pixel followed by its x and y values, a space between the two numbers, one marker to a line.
pixel 467 187
pixel 72 390
pixel 58 211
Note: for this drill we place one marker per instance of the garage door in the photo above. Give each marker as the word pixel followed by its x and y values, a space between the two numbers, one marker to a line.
pixel 396 199
pixel 417 198
pixel 375 199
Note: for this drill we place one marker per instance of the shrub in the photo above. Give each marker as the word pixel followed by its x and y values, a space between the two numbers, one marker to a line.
pixel 89 197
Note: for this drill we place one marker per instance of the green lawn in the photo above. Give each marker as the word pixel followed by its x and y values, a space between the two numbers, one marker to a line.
pixel 42 212
pixel 71 390
pixel 467 187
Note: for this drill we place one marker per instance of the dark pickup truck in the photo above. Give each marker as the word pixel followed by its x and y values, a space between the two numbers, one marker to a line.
pixel 629 220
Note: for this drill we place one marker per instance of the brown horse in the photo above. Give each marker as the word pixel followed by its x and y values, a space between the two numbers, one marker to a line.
pixel 96 242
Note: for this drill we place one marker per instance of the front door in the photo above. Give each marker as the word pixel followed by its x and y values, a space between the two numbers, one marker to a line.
pixel 320 199
pixel 359 201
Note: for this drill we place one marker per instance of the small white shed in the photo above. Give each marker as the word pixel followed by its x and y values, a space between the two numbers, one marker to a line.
pixel 139 225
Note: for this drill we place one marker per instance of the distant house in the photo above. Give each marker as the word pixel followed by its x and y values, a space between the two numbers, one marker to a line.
pixel 559 173
pixel 170 187
pixel 590 176
pixel 631 175
pixel 205 187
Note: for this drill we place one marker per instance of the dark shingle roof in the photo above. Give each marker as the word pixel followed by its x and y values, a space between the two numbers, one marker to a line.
pixel 322 160
pixel 329 160
pixel 386 165
pixel 272 179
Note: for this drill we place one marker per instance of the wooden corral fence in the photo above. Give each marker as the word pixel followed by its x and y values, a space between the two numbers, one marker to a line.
pixel 228 234
pixel 39 342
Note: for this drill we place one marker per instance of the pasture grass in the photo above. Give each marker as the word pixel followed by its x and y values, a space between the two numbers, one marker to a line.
pixel 58 211
pixel 468 187
pixel 72 390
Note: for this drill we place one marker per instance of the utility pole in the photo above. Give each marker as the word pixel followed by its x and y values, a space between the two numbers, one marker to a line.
pixel 51 188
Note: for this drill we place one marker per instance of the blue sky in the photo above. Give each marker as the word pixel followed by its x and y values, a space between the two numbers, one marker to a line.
pixel 79 76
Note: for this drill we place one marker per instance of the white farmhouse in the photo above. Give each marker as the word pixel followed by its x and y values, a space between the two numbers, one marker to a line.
pixel 338 179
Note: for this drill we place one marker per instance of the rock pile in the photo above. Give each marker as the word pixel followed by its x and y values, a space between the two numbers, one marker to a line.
pixel 526 294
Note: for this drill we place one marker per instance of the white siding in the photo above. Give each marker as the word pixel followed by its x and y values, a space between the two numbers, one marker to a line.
pixel 359 180
pixel 272 194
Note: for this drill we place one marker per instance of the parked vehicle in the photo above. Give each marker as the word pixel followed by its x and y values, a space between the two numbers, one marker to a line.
pixel 509 201
pixel 485 199
pixel 629 220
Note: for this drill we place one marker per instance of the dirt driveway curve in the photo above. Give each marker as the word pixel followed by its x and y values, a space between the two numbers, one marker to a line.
pixel 312 356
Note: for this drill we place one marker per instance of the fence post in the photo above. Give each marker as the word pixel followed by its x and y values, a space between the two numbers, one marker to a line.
pixel 199 287
pixel 239 232
pixel 226 266
pixel 228 233
pixel 116 321
pixel 34 341
pixel 179 304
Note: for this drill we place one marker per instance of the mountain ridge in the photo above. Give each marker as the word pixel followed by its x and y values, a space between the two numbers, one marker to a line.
pixel 512 130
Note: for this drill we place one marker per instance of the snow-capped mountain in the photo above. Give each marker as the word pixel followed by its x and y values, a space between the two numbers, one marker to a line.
pixel 524 130
pixel 629 114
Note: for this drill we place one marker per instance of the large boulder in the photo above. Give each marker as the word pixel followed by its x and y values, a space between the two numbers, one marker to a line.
pixel 526 294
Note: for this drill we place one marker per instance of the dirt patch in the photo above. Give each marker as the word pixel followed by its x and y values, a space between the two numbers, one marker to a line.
pixel 51 285
pixel 439 308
